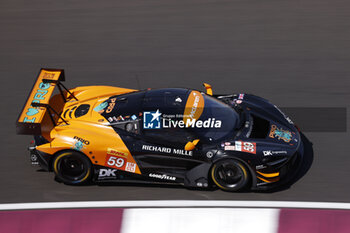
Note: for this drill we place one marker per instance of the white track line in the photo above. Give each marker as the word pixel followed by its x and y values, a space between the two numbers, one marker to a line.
pixel 176 204
pixel 203 220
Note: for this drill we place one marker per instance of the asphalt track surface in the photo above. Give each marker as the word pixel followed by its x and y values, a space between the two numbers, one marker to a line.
pixel 294 53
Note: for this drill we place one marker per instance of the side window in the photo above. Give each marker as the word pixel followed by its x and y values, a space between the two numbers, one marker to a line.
pixel 124 112
pixel 162 106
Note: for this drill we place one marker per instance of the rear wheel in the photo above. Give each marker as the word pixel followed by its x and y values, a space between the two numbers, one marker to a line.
pixel 72 168
pixel 230 175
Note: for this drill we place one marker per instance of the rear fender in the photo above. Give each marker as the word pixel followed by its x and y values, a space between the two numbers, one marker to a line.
pixel 100 143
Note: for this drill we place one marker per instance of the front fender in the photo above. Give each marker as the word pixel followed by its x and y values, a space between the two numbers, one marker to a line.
pixel 237 156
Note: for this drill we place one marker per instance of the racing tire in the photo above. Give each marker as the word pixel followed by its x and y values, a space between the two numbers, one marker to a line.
pixel 230 175
pixel 72 168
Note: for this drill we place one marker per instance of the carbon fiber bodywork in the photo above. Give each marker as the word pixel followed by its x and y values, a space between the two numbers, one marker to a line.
pixel 252 131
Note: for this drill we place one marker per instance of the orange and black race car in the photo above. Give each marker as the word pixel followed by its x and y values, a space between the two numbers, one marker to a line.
pixel 166 136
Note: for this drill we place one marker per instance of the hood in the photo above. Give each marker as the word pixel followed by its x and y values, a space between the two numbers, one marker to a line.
pixel 267 121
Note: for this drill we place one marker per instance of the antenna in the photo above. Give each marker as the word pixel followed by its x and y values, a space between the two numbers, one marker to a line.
pixel 138 81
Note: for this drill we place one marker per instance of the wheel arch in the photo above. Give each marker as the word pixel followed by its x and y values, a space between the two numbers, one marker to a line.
pixel 235 157
pixel 54 156
pixel 84 178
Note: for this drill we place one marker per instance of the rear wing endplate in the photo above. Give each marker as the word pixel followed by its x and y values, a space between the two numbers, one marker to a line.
pixel 33 112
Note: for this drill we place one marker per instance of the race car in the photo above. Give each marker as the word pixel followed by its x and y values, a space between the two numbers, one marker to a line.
pixel 93 134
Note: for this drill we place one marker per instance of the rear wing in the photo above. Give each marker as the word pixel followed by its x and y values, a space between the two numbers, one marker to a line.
pixel 37 104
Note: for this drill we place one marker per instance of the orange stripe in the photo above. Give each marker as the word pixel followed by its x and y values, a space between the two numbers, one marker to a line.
pixel 269 175
pixel 269 181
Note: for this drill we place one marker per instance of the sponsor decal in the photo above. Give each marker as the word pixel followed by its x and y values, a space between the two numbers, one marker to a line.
pixel 194 106
pixel 133 117
pixel 49 75
pixel 34 159
pixel 111 151
pixel 230 148
pixel 130 167
pixel 100 108
pixel 239 100
pixel 189 119
pixel 192 123
pixel 86 142
pixel 115 162
pixel 151 120
pixel 78 145
pixel 289 120
pixel 167 150
pixel 249 147
pixel 162 176
pixel 269 152
pixel 260 167
pixel 118 160
pixel 111 105
pixel 39 95
pixel 107 173
pixel 116 119
pixel 156 149
pixel 119 118
pixel 280 134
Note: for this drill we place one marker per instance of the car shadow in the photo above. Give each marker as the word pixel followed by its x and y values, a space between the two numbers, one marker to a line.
pixel 144 185
pixel 304 167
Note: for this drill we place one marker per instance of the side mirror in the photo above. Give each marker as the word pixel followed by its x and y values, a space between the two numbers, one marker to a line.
pixel 191 145
pixel 208 88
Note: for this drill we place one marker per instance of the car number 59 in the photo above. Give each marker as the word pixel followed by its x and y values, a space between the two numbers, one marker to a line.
pixel 114 161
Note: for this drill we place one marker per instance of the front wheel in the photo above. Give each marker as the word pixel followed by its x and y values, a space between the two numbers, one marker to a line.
pixel 72 168
pixel 230 175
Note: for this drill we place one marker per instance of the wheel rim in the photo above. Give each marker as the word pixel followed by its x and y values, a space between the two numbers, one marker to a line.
pixel 228 174
pixel 72 168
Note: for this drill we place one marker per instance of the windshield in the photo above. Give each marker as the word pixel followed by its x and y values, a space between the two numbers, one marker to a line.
pixel 221 118
pixel 173 115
